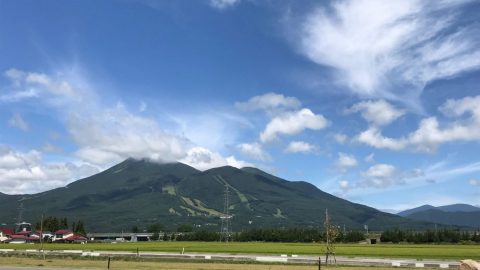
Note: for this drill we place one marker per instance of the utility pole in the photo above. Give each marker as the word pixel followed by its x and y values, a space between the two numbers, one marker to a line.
pixel 41 237
pixel 20 215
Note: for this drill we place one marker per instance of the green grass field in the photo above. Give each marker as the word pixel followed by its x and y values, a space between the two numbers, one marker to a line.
pixel 451 252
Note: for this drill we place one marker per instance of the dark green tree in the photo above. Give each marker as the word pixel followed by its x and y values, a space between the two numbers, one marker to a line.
pixel 185 228
pixel 155 236
pixel 153 228
pixel 80 228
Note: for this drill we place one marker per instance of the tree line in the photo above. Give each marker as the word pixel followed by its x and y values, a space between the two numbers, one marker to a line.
pixel 186 232
pixel 53 224
pixel 293 235
pixel 429 236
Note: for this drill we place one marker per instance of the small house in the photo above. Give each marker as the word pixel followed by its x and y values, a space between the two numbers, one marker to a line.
pixel 5 234
pixel 61 235
pixel 17 239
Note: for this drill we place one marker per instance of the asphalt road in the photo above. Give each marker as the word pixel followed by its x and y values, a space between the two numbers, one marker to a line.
pixel 245 257
pixel 35 268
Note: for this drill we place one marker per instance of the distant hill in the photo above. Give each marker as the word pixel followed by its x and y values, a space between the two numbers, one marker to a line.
pixel 415 210
pixel 459 208
pixel 455 214
pixel 467 219
pixel 139 193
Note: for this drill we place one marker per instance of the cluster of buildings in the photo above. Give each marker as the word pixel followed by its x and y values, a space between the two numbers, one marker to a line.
pixel 23 233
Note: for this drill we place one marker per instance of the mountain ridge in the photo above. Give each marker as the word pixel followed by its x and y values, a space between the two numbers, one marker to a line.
pixel 454 214
pixel 141 192
pixel 458 207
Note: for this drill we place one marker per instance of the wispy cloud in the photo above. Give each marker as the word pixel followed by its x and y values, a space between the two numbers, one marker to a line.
pixel 269 102
pixel 17 121
pixel 474 182
pixel 254 150
pixel 391 49
pixel 300 147
pixel 463 124
pixel 378 112
pixel 381 177
pixel 223 4
pixel 340 138
pixel 346 161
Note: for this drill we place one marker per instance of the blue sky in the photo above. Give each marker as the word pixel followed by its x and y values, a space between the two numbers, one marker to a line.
pixel 377 102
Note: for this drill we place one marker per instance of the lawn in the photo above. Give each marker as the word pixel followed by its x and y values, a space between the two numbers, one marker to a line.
pixel 451 252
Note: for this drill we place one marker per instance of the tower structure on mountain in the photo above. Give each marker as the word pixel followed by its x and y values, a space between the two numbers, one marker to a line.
pixel 226 226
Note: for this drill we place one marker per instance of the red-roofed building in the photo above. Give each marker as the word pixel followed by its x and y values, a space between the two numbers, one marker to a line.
pixel 61 235
pixel 17 239
pixel 45 234
pixel 76 238
pixel 5 234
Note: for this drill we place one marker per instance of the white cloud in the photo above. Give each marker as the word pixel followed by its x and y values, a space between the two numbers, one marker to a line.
pixel 223 4
pixel 430 134
pixel 373 137
pixel 299 147
pixel 203 159
pixel 254 150
pixel 474 182
pixel 386 175
pixel 344 185
pixel 291 123
pixel 381 176
pixel 106 134
pixel 269 101
pixel 57 87
pixel 391 49
pixel 54 89
pixel 340 138
pixel 15 75
pixel 209 127
pixel 377 113
pixel 17 121
pixel 346 161
pixel 25 172
pixel 19 95
pixel 114 134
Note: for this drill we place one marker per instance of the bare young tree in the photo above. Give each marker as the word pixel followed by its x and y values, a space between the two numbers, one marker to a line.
pixel 331 234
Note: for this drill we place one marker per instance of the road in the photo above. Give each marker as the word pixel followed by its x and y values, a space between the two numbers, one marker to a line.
pixel 290 259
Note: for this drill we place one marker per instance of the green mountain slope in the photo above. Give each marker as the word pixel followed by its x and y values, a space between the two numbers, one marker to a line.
pixel 139 193
pixel 422 208
pixel 459 218
pixel 446 208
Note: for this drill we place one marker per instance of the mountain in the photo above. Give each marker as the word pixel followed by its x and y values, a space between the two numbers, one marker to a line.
pixel 415 210
pixel 459 218
pixel 459 208
pixel 139 193
pixel 455 214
